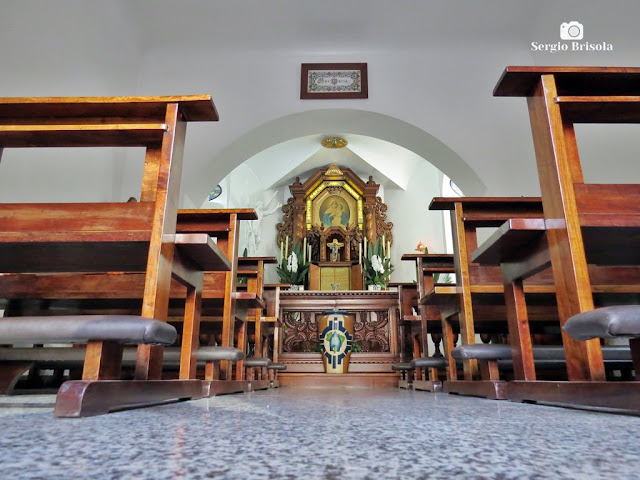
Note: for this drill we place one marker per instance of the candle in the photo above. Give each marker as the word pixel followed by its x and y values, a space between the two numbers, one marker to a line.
pixel 309 253
pixel 365 246
pixel 281 247
pixel 360 254
pixel 286 247
pixel 304 251
pixel 383 247
pixel 389 248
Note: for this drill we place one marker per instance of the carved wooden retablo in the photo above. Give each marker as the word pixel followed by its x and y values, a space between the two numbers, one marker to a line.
pixel 334 210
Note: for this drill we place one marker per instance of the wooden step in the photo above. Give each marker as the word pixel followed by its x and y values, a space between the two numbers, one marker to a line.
pixel 319 380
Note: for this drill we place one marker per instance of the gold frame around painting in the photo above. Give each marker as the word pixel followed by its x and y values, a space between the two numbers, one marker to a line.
pixel 331 196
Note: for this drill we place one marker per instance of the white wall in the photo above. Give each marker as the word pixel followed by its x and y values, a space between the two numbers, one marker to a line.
pixel 251 89
pixel 56 49
pixel 413 222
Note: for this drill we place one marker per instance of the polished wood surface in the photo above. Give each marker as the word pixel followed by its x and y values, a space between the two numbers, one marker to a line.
pixel 584 222
pixel 427 264
pixel 116 236
pixel 520 81
pixel 194 108
pixel 475 283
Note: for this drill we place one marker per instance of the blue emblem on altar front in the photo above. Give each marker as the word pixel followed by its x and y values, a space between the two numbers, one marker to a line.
pixel 335 341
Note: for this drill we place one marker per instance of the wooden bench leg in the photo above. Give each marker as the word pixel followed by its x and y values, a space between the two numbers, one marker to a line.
pixel 212 371
pixel 489 370
pixel 103 361
pixel 212 385
pixel 10 374
pixel 634 344
pixel 88 398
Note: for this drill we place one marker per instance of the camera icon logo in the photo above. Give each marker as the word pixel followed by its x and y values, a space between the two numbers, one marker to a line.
pixel 571 31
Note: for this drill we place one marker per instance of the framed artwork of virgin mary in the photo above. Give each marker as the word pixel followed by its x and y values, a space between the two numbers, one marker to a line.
pixel 334 209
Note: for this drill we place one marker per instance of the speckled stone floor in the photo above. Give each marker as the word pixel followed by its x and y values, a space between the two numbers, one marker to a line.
pixel 315 433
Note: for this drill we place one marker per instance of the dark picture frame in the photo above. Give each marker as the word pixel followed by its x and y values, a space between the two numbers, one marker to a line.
pixel 333 80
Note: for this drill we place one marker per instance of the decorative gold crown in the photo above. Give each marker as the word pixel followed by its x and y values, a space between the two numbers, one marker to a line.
pixel 334 142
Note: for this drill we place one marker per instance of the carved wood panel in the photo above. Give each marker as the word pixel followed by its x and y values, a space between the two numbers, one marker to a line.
pixel 301 331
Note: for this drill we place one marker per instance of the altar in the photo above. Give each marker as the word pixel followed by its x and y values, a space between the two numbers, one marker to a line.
pixel 336 223
pixel 376 335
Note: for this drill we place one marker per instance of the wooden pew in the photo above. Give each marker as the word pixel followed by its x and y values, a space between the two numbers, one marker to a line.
pixel 220 296
pixel 102 237
pixel 520 247
pixel 476 302
pixel 119 293
pixel 274 322
pixel 582 220
pixel 408 331
pixel 253 269
pixel 428 265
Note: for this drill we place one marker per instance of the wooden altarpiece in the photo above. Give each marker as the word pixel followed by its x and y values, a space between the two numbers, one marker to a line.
pixel 334 206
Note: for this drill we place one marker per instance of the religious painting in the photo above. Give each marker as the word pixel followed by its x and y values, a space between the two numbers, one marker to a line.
pixel 334 212
pixel 335 208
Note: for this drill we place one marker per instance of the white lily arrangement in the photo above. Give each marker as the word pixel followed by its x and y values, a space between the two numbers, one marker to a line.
pixel 376 266
pixel 291 269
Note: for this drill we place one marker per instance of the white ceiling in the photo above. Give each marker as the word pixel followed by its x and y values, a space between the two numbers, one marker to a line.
pixel 361 25
pixel 389 164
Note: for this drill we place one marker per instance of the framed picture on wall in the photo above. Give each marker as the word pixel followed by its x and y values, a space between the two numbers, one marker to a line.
pixel 333 80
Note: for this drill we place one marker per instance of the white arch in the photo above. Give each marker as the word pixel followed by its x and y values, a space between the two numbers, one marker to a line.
pixel 350 121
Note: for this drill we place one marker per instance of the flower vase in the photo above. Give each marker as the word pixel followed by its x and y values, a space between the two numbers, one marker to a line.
pixel 296 288
pixel 375 288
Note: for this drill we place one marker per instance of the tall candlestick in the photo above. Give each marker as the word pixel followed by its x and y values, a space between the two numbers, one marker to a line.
pixel 304 251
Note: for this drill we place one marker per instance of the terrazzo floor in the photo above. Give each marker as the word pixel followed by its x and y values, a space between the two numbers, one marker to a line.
pixel 337 433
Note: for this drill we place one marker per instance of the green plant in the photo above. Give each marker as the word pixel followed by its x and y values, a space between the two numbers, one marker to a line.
pixel 376 266
pixel 241 279
pixel 446 278
pixel 292 270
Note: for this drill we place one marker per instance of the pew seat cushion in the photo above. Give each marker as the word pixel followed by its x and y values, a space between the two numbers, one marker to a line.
pixel 279 366
pixel 123 329
pixel 429 362
pixel 402 367
pixel 545 356
pixel 605 322
pixel 482 351
pixel 252 362
pixel 54 357
pixel 69 357
pixel 214 354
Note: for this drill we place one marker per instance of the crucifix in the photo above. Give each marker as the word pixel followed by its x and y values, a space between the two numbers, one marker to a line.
pixel 335 246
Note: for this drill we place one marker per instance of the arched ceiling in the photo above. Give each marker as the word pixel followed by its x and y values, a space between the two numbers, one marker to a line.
pixel 290 146
pixel 391 165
